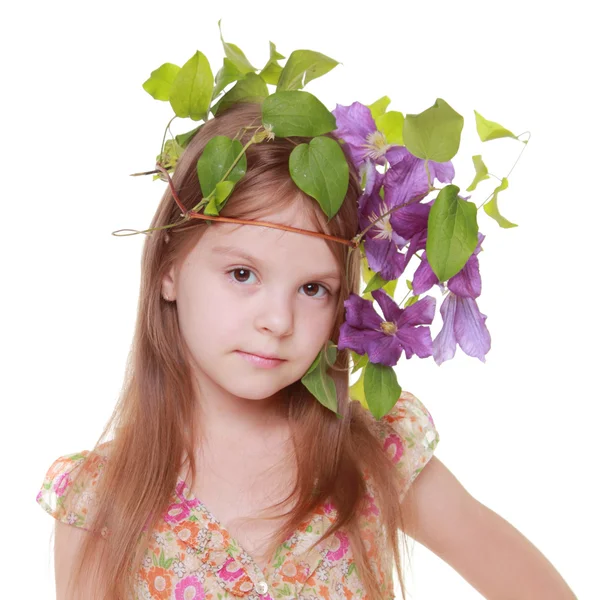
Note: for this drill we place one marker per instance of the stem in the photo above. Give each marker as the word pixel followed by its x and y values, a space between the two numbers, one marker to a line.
pixel 511 169
pixel 165 135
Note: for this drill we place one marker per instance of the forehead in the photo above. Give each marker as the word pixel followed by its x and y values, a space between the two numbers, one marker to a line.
pixel 270 244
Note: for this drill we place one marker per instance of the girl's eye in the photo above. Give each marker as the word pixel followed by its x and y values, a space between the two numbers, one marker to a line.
pixel 246 272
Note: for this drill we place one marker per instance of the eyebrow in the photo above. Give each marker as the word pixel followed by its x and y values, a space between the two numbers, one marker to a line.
pixel 234 251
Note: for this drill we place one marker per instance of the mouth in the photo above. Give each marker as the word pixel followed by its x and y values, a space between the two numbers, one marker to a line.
pixel 261 361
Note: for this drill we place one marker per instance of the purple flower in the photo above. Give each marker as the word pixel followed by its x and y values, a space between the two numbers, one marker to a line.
pixel 465 324
pixel 356 126
pixel 407 178
pixel 365 332
pixel 466 283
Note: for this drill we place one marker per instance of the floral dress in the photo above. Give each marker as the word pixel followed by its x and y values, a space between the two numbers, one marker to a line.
pixel 193 557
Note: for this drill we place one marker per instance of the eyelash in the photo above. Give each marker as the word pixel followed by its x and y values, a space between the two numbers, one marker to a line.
pixel 327 292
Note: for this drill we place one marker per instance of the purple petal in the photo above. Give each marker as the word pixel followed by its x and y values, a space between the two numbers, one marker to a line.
pixel 416 340
pixel 361 314
pixel 386 350
pixel 410 219
pixel 422 311
pixel 354 123
pixel 443 172
pixel 359 340
pixel 406 179
pixel 470 329
pixel 391 311
pixel 444 345
pixel 383 258
pixel 424 276
pixel 467 282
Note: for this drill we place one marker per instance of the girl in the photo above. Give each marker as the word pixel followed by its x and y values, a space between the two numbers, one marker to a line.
pixel 224 477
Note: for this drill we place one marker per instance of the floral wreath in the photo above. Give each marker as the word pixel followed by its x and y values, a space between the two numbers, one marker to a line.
pixel 398 158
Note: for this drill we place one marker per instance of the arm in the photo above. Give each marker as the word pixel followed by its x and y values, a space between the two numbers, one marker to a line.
pixel 67 541
pixel 487 551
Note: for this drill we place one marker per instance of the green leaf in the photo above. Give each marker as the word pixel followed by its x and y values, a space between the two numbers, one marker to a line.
pixel 357 390
pixel 297 113
pixel 223 190
pixel 170 154
pixel 191 91
pixel 381 389
pixel 216 159
pixel 368 275
pixel 227 74
pixel 251 88
pixel 481 172
pixel 235 55
pixel 375 283
pixel 435 133
pixel 183 139
pixel 451 233
pixel 491 207
pixel 318 382
pixel 379 106
pixel 489 130
pixel 411 300
pixel 391 124
pixel 320 170
pixel 303 66
pixel 158 85
pixel 358 361
pixel 272 70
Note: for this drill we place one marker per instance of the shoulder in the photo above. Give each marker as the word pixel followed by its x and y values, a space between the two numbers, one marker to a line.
pixel 409 436
pixel 68 488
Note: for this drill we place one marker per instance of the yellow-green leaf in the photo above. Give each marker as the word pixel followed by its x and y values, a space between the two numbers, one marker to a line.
pixel 158 85
pixel 379 106
pixel 303 66
pixel 235 55
pixel 357 390
pixel 490 130
pixel 435 133
pixel 272 70
pixel 391 124
pixel 491 207
pixel 192 89
pixel 481 172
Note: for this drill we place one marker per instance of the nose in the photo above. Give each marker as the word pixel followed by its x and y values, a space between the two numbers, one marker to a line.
pixel 275 314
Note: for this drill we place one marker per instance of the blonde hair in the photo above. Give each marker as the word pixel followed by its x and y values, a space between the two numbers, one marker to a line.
pixel 153 421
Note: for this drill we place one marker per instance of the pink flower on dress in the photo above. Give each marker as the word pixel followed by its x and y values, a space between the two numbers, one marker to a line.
pixel 344 544
pixel 394 440
pixel 61 484
pixel 226 574
pixel 177 512
pixel 371 508
pixel 189 588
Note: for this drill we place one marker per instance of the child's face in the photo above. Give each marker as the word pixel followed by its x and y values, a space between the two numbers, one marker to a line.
pixel 281 305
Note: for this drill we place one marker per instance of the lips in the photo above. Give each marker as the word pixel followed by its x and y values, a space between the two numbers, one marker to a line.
pixel 270 356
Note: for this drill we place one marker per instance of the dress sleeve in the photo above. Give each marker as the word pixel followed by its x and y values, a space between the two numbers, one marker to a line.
pixel 409 437
pixel 68 490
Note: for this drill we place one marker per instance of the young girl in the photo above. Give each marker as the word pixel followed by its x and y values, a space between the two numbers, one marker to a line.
pixel 224 477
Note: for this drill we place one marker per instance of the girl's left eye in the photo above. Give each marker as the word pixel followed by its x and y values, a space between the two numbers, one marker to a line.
pixel 247 271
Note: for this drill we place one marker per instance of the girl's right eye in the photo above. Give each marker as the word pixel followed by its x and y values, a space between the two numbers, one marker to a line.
pixel 243 269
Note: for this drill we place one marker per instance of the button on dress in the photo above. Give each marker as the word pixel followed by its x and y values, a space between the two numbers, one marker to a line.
pixel 191 556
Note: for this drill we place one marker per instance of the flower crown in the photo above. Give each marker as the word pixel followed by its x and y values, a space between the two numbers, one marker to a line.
pixel 396 223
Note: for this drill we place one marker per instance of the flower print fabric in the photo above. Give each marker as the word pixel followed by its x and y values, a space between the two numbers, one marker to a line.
pixel 193 557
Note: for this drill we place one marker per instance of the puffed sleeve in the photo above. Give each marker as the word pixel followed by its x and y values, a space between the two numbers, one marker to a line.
pixel 409 436
pixel 68 490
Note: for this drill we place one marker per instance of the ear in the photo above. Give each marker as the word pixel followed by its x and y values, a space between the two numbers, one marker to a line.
pixel 168 284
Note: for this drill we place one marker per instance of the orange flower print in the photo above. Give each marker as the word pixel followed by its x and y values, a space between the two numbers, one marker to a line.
pixel 188 530
pixel 159 582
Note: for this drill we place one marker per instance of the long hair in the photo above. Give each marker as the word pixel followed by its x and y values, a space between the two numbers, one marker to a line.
pixel 153 421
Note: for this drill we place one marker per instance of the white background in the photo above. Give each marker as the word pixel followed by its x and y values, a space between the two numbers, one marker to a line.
pixel 519 431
